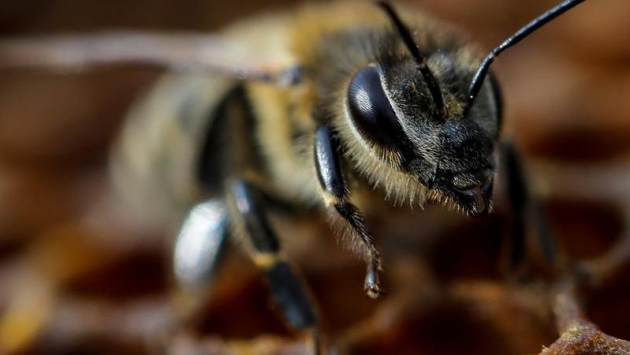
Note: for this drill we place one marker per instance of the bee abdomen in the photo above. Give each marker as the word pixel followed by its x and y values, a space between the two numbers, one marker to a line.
pixel 155 162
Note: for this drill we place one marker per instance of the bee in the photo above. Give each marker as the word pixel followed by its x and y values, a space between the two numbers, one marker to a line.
pixel 329 108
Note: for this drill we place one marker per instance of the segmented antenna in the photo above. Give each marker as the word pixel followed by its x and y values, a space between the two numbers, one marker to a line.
pixel 421 61
pixel 525 31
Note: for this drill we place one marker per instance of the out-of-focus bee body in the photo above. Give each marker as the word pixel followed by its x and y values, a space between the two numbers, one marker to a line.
pixel 189 133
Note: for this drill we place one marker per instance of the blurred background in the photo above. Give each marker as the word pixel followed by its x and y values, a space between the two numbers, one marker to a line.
pixel 76 278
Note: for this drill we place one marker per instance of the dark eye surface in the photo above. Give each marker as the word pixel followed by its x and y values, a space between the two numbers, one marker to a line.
pixel 370 110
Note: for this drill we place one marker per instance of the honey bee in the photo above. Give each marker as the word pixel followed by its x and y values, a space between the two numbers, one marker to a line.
pixel 329 108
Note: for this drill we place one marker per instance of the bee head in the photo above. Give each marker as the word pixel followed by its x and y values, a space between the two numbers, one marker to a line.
pixel 420 124
pixel 395 116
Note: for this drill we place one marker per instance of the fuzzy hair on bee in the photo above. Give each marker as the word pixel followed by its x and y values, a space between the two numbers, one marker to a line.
pixel 332 107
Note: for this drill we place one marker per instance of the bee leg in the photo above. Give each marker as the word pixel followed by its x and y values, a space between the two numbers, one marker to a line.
pixel 336 194
pixel 197 254
pixel 286 287
pixel 523 203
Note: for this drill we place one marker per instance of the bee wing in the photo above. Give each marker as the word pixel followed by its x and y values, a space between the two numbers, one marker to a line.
pixel 180 52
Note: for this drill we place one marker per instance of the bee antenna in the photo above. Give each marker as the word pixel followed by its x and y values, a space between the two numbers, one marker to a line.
pixel 421 61
pixel 523 32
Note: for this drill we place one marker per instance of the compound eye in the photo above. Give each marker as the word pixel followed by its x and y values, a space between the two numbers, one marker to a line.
pixel 370 110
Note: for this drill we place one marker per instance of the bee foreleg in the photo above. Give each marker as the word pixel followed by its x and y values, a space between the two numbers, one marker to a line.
pixel 524 203
pixel 288 290
pixel 336 194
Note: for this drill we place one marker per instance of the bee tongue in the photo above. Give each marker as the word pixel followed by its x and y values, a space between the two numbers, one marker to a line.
pixel 480 207
pixel 475 200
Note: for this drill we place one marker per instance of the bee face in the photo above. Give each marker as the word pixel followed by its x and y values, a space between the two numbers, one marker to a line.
pixel 392 110
pixel 465 169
